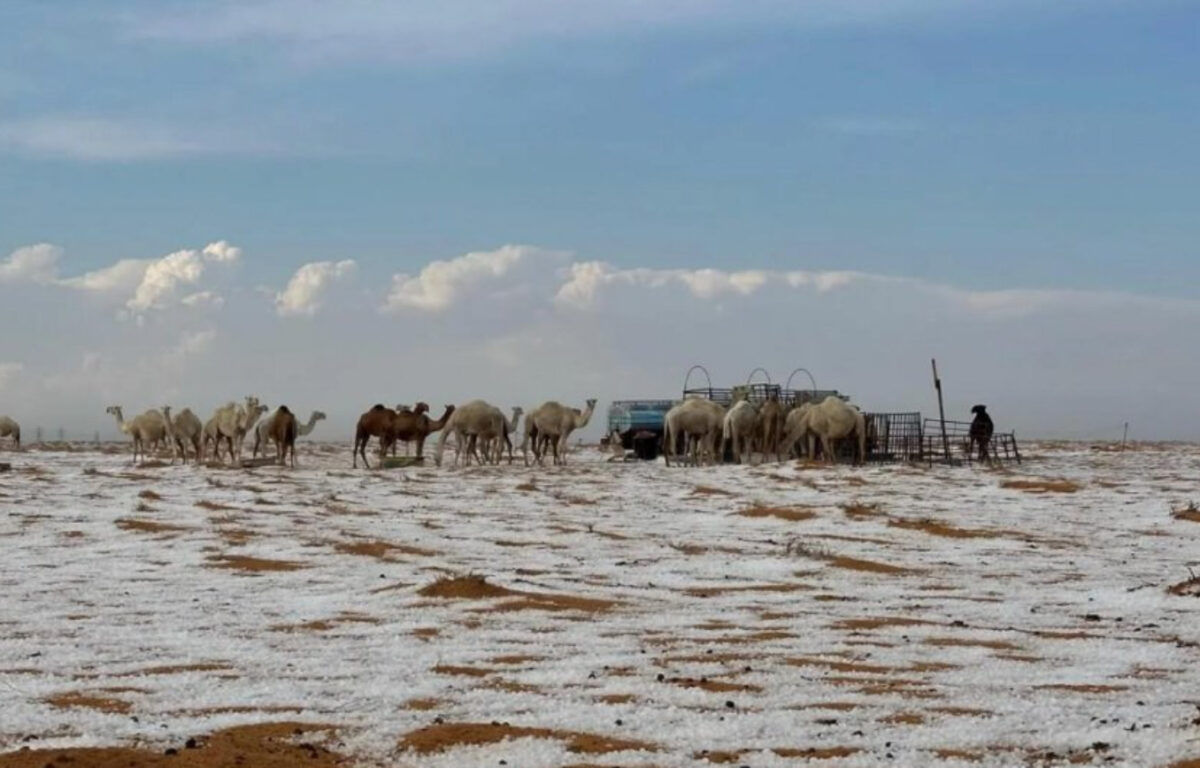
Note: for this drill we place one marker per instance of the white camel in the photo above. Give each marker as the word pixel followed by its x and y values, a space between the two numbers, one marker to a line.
pixel 469 423
pixel 262 433
pixel 551 425
pixel 10 428
pixel 741 422
pixel 699 422
pixel 795 428
pixel 148 428
pixel 233 421
pixel 834 419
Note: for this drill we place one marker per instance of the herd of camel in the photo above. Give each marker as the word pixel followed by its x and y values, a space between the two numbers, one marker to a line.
pixel 705 427
pixel 698 426
pixel 482 431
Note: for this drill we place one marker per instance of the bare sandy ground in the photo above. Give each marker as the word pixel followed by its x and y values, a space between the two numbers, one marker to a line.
pixel 601 614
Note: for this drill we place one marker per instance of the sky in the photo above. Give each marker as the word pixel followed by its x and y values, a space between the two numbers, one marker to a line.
pixel 330 205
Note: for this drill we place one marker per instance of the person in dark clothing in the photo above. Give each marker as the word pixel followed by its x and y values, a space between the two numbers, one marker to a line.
pixel 981 430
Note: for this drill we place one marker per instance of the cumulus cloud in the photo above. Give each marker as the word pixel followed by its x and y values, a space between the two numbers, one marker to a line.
pixel 441 283
pixel 305 292
pixel 31 264
pixel 139 285
pixel 586 280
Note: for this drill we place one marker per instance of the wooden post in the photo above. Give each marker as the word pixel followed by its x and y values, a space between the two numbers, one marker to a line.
pixel 937 383
pixel 1125 436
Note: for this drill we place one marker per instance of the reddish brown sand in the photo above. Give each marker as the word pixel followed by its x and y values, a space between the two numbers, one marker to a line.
pixel 271 745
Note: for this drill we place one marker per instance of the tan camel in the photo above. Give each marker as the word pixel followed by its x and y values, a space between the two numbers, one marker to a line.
pixel 262 432
pixel 10 428
pixel 147 428
pixel 741 422
pixel 417 426
pixel 493 450
pixel 551 424
pixel 186 429
pixel 698 421
pixel 469 423
pixel 770 426
pixel 795 428
pixel 282 432
pixel 834 419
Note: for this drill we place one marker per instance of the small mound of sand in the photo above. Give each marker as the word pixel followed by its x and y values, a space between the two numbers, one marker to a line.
pixel 1189 588
pixel 791 515
pixel 444 736
pixel 252 564
pixel 147 526
pixel 944 530
pixel 1190 513
pixel 1041 486
pixel 270 745
pixel 465 588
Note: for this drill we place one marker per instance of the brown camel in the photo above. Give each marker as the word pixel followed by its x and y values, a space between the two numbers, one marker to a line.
pixel 283 434
pixel 414 425
pixel 408 418
pixel 378 422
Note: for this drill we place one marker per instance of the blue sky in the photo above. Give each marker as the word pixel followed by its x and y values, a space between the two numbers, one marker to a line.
pixel 987 146
pixel 994 145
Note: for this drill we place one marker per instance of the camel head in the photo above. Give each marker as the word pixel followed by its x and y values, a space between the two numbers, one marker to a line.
pixel 401 408
pixel 421 407
pixel 114 410
pixel 166 411
pixel 318 415
pixel 591 404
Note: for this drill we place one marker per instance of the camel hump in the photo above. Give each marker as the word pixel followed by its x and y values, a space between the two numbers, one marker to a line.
pixel 284 409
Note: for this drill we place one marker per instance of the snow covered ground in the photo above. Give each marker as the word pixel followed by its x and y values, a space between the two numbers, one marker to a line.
pixel 611 614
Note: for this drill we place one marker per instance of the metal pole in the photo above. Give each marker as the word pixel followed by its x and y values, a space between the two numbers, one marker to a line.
pixel 937 383
pixel 1125 436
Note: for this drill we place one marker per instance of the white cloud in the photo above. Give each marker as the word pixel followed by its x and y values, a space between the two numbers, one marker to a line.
pixel 222 251
pixel 31 264
pixel 95 139
pixel 467 29
pixel 105 139
pixel 305 291
pixel 441 283
pixel 139 285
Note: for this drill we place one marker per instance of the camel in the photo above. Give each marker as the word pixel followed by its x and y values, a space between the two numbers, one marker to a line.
pixel 551 424
pixel 262 433
pixel 183 430
pixel 407 422
pixel 795 428
pixel 469 423
pixel 495 450
pixel 833 419
pixel 147 428
pixel 699 421
pixel 377 422
pixel 741 422
pixel 233 422
pixel 424 428
pixel 10 428
pixel 282 431
pixel 415 424
pixel 770 426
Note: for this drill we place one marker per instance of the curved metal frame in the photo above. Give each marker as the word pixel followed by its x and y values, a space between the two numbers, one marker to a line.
pixel 692 370
pixel 756 370
pixel 812 380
